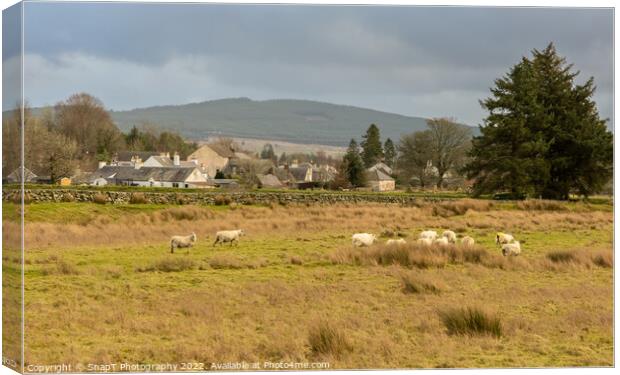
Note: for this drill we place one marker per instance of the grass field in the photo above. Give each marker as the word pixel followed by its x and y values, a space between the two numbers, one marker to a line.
pixel 102 286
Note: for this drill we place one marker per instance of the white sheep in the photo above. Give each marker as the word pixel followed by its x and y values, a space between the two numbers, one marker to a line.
pixel 182 241
pixel 450 236
pixel 441 241
pixel 513 248
pixel 429 234
pixel 231 236
pixel 400 241
pixel 363 239
pixel 503 238
pixel 467 241
pixel 424 241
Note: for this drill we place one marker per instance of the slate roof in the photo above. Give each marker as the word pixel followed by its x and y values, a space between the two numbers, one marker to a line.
pixel 299 173
pixel 127 155
pixel 16 176
pixel 171 174
pixel 378 175
pixel 167 162
pixel 382 167
pixel 269 181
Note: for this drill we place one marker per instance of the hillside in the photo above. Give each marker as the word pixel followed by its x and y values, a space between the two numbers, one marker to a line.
pixel 298 121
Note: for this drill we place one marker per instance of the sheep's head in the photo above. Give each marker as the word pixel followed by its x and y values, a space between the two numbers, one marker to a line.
pixel 193 237
pixel 241 232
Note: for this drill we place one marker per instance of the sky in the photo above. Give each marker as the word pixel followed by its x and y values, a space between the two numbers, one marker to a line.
pixel 419 61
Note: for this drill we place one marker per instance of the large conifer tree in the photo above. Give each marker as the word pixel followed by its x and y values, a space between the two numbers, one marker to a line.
pixel 353 166
pixel 372 152
pixel 543 135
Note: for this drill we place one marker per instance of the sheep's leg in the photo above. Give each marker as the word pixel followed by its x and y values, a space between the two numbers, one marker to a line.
pixel 171 249
pixel 216 241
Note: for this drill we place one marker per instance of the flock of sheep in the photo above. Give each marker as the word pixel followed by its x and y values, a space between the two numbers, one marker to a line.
pixel 506 241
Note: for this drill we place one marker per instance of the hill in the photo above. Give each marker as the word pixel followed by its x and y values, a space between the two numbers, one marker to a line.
pixel 297 121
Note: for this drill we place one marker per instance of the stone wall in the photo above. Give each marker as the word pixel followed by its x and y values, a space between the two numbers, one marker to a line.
pixel 210 198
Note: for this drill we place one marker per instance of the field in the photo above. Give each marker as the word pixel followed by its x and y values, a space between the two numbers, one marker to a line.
pixel 102 286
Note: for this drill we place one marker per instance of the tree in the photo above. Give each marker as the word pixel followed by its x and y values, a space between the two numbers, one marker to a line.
pixel 414 152
pixel 353 167
pixel 372 152
pixel 283 159
pixel 450 143
pixel 389 153
pixel 83 118
pixel 267 153
pixel 543 135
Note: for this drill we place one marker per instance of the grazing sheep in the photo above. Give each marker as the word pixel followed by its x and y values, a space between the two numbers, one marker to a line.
pixel 503 238
pixel 400 241
pixel 441 241
pixel 513 248
pixel 363 239
pixel 182 241
pixel 468 241
pixel 425 241
pixel 450 236
pixel 228 236
pixel 429 234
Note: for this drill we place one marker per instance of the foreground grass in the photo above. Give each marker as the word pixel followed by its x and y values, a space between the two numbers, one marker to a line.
pixel 279 295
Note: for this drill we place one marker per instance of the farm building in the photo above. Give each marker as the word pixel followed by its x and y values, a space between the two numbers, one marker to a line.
pixel 215 158
pixel 269 181
pixel 379 178
pixel 16 176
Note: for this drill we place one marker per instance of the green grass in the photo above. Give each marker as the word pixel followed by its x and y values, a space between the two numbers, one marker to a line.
pixel 136 302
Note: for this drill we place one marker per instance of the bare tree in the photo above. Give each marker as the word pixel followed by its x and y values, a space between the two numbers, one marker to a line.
pixel 450 143
pixel 414 152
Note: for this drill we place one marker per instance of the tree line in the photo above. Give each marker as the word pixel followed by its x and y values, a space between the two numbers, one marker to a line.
pixel 75 134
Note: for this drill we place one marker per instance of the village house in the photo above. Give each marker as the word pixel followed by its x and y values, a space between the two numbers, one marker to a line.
pixel 138 175
pixel 379 179
pixel 215 157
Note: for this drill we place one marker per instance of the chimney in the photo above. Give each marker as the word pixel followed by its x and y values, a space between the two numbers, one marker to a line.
pixel 101 164
pixel 168 155
pixel 177 159
pixel 194 160
pixel 294 164
pixel 137 162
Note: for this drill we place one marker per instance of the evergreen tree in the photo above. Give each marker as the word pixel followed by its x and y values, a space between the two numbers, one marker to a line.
pixel 543 135
pixel 389 153
pixel 353 167
pixel 372 152
pixel 267 153
pixel 283 159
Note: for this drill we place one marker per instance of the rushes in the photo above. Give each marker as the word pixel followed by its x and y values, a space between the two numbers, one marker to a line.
pixel 471 321
pixel 325 338
pixel 171 264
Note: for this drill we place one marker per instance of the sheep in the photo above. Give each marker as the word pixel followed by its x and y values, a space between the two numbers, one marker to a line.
pixel 503 238
pixel 450 236
pixel 363 239
pixel 467 241
pixel 425 241
pixel 228 236
pixel 441 241
pixel 400 241
pixel 513 248
pixel 182 241
pixel 429 234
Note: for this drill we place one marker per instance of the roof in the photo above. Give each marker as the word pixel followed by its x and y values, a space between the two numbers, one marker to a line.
pixel 17 176
pixel 299 173
pixel 269 181
pixel 127 155
pixel 221 150
pixel 383 167
pixel 378 175
pixel 167 162
pixel 173 174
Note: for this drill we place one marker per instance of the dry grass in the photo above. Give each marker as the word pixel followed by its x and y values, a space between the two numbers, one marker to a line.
pixel 541 205
pixel 61 267
pixel 416 284
pixel 326 339
pixel 460 207
pixel 169 264
pixel 471 321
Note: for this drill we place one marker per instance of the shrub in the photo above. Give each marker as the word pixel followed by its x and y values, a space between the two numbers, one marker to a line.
pixel 171 264
pixel 327 339
pixel 412 284
pixel 100 198
pixel 471 321
pixel 138 198
pixel 222 200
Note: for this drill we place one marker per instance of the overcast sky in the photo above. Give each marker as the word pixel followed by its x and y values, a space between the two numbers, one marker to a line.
pixel 410 60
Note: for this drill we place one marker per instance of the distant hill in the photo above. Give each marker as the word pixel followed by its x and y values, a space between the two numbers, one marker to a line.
pixel 286 120
pixel 298 121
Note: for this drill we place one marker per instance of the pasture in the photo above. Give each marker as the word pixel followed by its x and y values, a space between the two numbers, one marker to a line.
pixel 102 287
